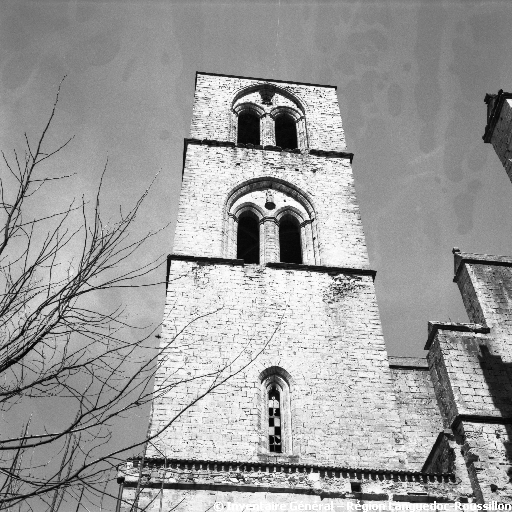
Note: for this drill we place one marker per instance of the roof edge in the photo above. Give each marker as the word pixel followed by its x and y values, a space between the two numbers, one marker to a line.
pixel 335 87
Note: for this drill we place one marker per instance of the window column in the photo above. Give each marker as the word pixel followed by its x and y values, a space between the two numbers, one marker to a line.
pixel 270 245
pixel 267 131
pixel 306 238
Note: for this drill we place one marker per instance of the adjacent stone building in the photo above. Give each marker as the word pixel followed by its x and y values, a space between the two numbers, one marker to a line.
pixel 274 386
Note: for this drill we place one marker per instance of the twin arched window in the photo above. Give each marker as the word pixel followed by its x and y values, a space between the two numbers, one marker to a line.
pixel 268 220
pixel 248 239
pixel 282 132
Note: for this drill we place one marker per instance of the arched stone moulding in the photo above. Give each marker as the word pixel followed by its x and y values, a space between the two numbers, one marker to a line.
pixel 279 377
pixel 246 91
pixel 282 101
pixel 301 208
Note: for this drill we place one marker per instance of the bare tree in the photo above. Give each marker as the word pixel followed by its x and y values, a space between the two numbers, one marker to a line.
pixel 54 343
pixel 57 345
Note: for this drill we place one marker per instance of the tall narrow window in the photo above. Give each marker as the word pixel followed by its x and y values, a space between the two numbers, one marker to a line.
pixel 276 426
pixel 248 238
pixel 289 240
pixel 274 420
pixel 248 128
pixel 286 132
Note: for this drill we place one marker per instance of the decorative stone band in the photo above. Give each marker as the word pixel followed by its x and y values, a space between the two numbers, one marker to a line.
pixel 322 268
pixel 433 327
pixel 228 144
pixel 332 154
pixel 327 481
pixel 483 259
pixel 285 266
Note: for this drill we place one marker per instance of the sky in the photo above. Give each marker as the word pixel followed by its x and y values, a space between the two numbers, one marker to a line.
pixel 411 78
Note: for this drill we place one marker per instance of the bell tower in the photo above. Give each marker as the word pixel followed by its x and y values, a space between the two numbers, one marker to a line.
pixel 273 366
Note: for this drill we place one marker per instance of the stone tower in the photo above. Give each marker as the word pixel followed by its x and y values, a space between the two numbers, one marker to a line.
pixel 498 131
pixel 274 384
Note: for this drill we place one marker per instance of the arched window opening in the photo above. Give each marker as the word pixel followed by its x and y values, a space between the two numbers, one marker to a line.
pixel 274 420
pixel 248 239
pixel 248 128
pixel 286 132
pixel 289 240
pixel 276 426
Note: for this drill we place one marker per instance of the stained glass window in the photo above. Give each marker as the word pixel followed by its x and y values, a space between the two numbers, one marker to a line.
pixel 274 420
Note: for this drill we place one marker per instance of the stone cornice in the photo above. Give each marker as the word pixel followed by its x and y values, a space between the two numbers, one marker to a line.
pixel 277 265
pixel 132 469
pixel 228 144
pixel 483 259
pixel 322 268
pixel 408 363
pixel 434 327
pixel 332 154
pixel 480 418
pixel 265 80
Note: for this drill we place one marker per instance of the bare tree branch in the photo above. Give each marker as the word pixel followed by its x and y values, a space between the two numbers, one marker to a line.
pixel 57 344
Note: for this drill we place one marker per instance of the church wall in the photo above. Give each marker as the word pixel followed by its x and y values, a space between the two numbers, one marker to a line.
pixel 203 487
pixel 471 379
pixel 357 426
pixel 487 450
pixel 419 414
pixel 322 328
pixel 473 385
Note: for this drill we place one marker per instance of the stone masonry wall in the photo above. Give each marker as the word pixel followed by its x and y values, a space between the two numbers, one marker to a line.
pixel 474 389
pixel 323 329
pixel 291 491
pixel 472 373
pixel 488 454
pixel 211 173
pixel 486 288
pixel 469 378
pixel 417 407
pixel 214 95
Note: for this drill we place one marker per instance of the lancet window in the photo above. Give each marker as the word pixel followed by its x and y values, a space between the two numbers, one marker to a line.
pixel 274 420
pixel 277 414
